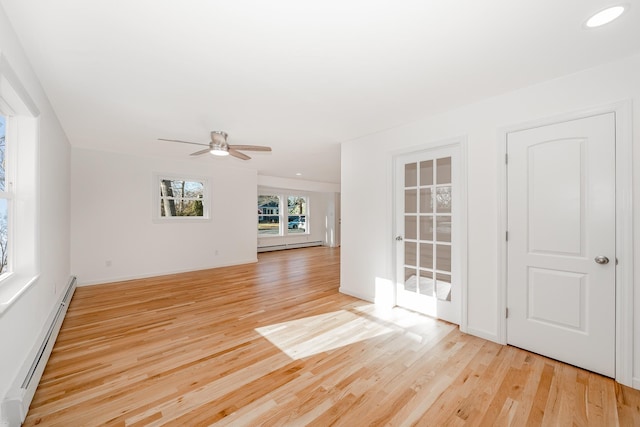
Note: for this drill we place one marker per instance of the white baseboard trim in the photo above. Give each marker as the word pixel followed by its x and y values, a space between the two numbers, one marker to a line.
pixel 92 282
pixel 15 404
pixel 636 383
pixel 283 246
pixel 358 295
pixel 489 336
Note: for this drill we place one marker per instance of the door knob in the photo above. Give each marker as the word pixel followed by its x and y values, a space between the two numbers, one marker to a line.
pixel 600 259
pixel 399 239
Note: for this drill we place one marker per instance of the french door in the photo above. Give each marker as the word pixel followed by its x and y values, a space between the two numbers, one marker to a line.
pixel 427 225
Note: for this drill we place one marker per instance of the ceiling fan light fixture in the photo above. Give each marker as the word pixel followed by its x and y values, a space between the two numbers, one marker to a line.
pixel 605 16
pixel 219 151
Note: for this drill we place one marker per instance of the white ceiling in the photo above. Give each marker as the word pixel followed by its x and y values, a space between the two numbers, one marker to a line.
pixel 299 76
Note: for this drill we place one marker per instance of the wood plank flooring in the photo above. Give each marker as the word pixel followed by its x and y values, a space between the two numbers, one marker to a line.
pixel 275 344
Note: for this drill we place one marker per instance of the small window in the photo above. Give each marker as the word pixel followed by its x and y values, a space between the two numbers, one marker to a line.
pixel 269 214
pixel 182 198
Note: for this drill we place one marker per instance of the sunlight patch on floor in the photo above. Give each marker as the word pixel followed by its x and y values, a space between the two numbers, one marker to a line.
pixel 308 336
pixel 311 335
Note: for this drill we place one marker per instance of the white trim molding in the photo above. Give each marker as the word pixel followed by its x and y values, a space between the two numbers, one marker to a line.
pixel 94 281
pixel 624 229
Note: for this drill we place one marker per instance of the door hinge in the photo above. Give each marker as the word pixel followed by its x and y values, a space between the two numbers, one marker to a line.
pixel 506 159
pixel 506 236
pixel 506 313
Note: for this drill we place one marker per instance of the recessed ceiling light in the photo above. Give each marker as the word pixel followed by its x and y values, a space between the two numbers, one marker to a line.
pixel 605 16
pixel 298 173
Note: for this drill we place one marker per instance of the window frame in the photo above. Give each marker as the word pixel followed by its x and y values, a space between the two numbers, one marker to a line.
pixel 283 213
pixel 23 176
pixel 306 215
pixel 157 198
pixel 271 215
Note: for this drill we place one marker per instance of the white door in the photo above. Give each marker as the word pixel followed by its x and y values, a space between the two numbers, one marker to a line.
pixel 561 241
pixel 427 212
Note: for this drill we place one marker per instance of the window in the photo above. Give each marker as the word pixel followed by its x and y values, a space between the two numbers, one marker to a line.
pixel 269 214
pixel 19 181
pixel 5 200
pixel 297 210
pixel 271 220
pixel 184 198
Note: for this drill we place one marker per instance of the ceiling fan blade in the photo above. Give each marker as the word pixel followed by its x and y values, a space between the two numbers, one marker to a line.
pixel 238 154
pixel 250 147
pixel 182 142
pixel 197 153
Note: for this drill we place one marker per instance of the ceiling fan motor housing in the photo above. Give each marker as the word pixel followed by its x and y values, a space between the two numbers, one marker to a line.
pixel 218 143
pixel 219 136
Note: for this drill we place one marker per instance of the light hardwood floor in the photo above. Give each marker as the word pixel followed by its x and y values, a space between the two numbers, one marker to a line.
pixel 274 343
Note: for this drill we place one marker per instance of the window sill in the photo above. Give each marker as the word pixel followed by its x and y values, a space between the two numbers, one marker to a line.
pixel 181 219
pixel 12 287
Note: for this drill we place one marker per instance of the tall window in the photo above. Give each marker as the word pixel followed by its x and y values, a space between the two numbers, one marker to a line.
pixel 19 245
pixel 5 199
pixel 181 198
pixel 269 214
pixel 281 214
pixel 297 209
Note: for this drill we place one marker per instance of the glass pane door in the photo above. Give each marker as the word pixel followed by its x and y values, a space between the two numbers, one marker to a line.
pixel 427 225
pixel 426 204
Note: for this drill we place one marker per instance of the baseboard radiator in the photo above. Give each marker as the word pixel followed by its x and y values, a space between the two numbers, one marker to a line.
pixel 16 403
pixel 289 246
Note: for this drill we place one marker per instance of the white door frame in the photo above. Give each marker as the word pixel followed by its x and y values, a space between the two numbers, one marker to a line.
pixel 460 142
pixel 624 230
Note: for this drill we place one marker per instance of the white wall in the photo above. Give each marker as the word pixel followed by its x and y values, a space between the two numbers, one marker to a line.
pixel 366 181
pixel 22 323
pixel 111 217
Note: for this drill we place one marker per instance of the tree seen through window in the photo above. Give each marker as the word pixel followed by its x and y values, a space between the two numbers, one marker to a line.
pixel 180 198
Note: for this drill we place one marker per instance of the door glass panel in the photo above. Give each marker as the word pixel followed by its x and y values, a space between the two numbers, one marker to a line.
pixel 410 280
pixel 426 255
pixel 410 253
pixel 410 227
pixel 443 286
pixel 443 199
pixel 443 228
pixel 443 258
pixel 443 171
pixel 426 172
pixel 410 201
pixel 426 227
pixel 425 286
pixel 411 175
pixel 426 201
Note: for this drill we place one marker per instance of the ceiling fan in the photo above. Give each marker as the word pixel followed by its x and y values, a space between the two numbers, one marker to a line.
pixel 219 147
